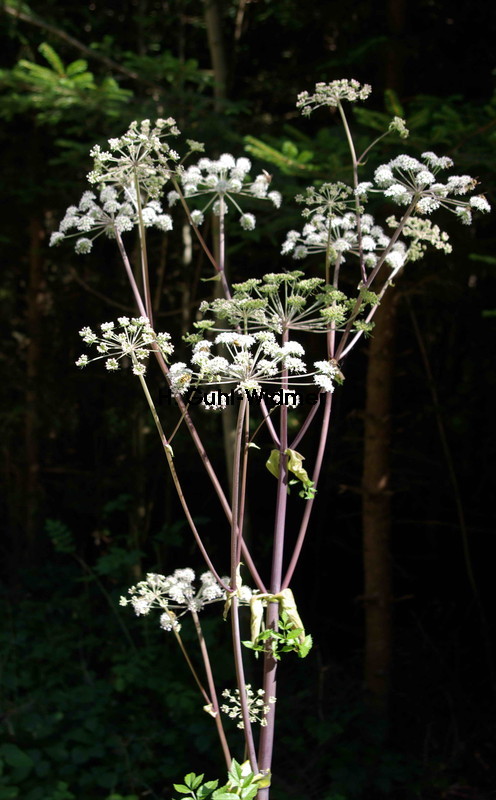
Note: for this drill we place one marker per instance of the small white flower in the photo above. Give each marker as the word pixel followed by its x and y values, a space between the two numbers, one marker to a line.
pixel 83 246
pixel 197 217
pixel 480 203
pixel 56 238
pixel 247 222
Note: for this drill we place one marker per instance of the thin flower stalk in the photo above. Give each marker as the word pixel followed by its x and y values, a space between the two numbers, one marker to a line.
pixel 168 454
pixel 341 347
pixel 205 248
pixel 319 460
pixel 354 162
pixel 241 682
pixel 130 275
pixel 143 251
pixel 214 703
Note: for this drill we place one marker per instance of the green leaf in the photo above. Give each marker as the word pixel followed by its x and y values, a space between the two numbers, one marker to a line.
pixel 272 463
pixel 206 790
pixel 295 465
pixel 60 535
pixel 18 760
pixel 53 59
pixel 76 68
pixel 196 780
pixel 305 647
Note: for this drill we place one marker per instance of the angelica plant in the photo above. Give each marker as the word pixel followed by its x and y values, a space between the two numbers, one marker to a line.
pixel 248 349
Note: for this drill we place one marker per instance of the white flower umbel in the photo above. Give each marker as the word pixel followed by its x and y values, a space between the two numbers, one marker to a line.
pixel 222 181
pixel 141 157
pixel 174 595
pixel 113 213
pixel 407 181
pixel 131 337
pixel 250 360
pixel 338 236
pixel 258 707
pixel 331 95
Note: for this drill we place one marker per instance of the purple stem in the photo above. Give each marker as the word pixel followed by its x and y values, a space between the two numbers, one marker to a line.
pixel 301 433
pixel 266 744
pixel 213 694
pixel 130 274
pixel 236 533
pixel 309 503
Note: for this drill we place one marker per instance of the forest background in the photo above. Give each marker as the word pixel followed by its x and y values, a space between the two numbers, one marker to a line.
pixel 397 699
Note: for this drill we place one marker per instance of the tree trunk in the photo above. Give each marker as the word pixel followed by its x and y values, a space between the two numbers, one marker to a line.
pixel 395 52
pixel 213 21
pixel 376 506
pixel 34 311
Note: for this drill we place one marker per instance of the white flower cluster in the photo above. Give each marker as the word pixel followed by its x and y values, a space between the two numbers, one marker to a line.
pixel 140 155
pixel 331 94
pixel 110 215
pixel 224 179
pixel 133 338
pixel 258 708
pixel 406 180
pixel 251 359
pixel 174 595
pixel 326 375
pixel 338 235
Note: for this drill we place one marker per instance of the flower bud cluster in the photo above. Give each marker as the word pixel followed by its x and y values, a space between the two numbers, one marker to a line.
pixel 277 302
pixel 140 156
pixel 422 232
pixel 258 707
pixel 331 95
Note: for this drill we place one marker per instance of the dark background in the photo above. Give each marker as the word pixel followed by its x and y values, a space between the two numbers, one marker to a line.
pixel 94 703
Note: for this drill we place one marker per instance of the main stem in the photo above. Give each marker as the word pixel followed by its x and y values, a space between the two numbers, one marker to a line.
pixel 238 486
pixel 266 745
